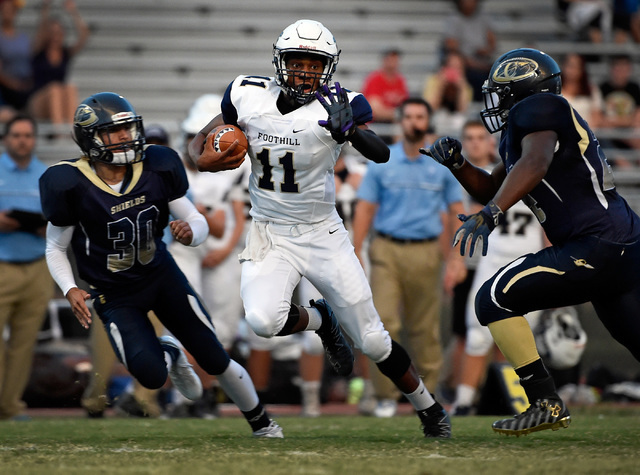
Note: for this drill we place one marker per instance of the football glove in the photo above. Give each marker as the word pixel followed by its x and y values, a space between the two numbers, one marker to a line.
pixel 447 151
pixel 478 226
pixel 340 120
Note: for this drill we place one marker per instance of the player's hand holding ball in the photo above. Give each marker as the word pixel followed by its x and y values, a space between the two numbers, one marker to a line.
pixel 340 120
pixel 446 151
pixel 224 149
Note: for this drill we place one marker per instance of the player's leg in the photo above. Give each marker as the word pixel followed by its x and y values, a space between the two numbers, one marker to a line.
pixel 338 275
pixel 548 279
pixel 184 315
pixel 267 288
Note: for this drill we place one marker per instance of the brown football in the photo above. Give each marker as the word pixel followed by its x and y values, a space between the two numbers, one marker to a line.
pixel 224 135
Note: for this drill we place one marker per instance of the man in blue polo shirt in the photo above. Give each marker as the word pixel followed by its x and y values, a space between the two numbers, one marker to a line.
pixel 25 283
pixel 407 200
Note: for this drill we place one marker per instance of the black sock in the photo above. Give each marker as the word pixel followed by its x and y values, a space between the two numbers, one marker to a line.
pixel 536 381
pixel 257 418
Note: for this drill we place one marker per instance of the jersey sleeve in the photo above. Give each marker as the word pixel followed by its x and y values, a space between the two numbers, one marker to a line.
pixel 361 108
pixel 57 191
pixel 229 111
pixel 166 162
pixel 540 112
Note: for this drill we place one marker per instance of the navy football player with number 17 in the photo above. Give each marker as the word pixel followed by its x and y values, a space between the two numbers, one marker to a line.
pixel 111 206
pixel 552 161
pixel 297 123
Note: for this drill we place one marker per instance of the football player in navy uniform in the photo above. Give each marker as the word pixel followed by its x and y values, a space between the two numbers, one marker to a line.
pixel 296 124
pixel 552 161
pixel 111 206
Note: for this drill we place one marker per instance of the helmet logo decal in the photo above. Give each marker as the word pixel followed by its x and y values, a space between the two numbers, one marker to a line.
pixel 515 69
pixel 122 116
pixel 85 116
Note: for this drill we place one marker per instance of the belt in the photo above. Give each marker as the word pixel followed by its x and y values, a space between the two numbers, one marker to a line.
pixel 405 241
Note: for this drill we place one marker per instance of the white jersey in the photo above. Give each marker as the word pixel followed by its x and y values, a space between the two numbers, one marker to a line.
pixel 520 234
pixel 292 157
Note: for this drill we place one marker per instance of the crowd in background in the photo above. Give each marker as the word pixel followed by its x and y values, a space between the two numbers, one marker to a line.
pixel 34 73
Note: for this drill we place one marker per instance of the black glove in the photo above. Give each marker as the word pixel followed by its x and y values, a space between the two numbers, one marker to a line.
pixel 340 121
pixel 478 226
pixel 447 151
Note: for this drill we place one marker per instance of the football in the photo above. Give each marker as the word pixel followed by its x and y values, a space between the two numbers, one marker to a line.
pixel 224 135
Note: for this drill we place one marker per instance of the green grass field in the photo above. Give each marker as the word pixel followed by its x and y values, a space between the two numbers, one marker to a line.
pixel 601 439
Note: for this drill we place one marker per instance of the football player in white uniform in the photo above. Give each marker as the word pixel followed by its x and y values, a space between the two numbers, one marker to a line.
pixel 296 124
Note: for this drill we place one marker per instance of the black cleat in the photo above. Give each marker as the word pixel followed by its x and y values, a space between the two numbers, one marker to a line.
pixel 435 422
pixel 335 345
pixel 543 414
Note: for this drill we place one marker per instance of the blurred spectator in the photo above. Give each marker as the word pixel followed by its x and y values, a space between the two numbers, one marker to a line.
pixel 401 201
pixel 626 20
pixel 53 98
pixel 25 283
pixel 577 88
pixel 15 58
pixel 385 89
pixel 621 104
pixel 469 32
pixel 449 94
pixel 589 19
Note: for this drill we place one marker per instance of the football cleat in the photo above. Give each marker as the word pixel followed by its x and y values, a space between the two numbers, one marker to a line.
pixel 182 375
pixel 338 351
pixel 386 408
pixel 272 431
pixel 435 422
pixel 543 414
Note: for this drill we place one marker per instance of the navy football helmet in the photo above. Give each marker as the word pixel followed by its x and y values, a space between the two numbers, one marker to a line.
pixel 305 37
pixel 98 114
pixel 514 76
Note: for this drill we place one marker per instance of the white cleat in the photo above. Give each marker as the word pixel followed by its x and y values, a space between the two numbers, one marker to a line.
pixel 182 375
pixel 272 431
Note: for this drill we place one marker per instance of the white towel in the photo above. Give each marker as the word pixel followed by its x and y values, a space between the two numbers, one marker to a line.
pixel 259 243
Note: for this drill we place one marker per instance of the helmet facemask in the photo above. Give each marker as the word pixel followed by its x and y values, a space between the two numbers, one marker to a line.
pixel 120 153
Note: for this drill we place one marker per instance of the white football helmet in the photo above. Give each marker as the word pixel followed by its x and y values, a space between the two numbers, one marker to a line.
pixel 306 37
pixel 205 108
pixel 560 338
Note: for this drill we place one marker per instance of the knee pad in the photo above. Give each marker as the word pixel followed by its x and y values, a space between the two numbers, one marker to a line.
pixel 479 341
pixel 376 345
pixel 397 364
pixel 261 324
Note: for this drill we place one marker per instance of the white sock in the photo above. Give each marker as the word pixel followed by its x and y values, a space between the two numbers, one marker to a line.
pixel 237 384
pixel 420 399
pixel 315 319
pixel 465 395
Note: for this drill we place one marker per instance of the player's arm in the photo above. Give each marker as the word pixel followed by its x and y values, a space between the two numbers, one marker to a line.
pixel 372 147
pixel 206 158
pixel 190 228
pixel 479 183
pixel 537 153
pixel 58 240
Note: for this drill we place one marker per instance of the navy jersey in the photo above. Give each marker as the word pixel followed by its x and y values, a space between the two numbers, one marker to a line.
pixel 577 196
pixel 117 236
